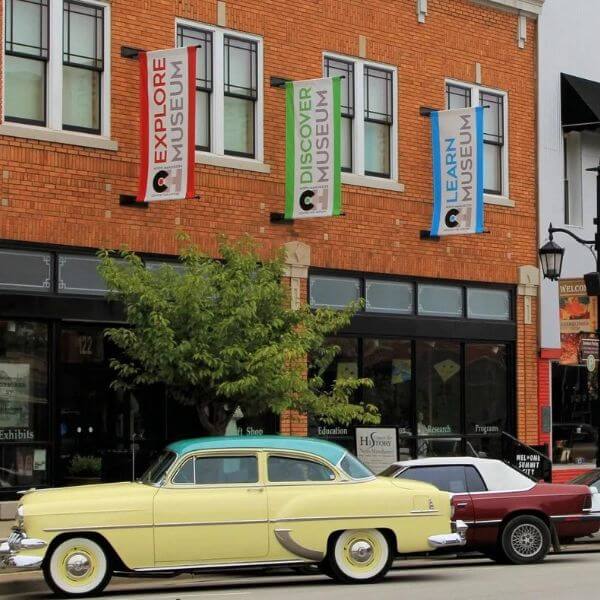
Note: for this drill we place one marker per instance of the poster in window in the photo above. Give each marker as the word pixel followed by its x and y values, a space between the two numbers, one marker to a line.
pixel 39 459
pixel 377 447
pixel 577 313
pixel 14 395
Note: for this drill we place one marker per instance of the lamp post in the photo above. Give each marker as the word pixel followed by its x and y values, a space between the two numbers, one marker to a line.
pixel 551 259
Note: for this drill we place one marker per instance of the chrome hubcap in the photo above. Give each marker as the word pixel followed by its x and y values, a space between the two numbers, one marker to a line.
pixel 78 565
pixel 526 540
pixel 361 551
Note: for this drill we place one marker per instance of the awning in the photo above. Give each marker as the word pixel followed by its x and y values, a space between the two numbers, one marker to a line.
pixel 580 103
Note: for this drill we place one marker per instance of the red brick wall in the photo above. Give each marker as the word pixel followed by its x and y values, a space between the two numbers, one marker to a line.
pixel 69 195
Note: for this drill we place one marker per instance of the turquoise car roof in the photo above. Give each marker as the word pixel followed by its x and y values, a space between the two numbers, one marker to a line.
pixel 327 450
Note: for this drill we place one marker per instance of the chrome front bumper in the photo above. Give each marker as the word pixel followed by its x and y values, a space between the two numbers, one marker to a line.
pixel 445 540
pixel 9 551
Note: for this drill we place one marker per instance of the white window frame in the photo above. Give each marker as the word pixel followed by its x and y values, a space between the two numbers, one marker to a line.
pixel 357 176
pixel 217 156
pixel 502 199
pixel 53 130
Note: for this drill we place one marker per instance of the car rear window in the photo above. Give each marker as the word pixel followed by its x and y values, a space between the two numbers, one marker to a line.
pixel 447 478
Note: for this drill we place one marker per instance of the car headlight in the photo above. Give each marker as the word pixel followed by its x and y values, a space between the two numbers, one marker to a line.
pixel 20 515
pixel 452 509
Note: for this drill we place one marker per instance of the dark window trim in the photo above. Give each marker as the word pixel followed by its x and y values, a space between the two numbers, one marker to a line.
pixel 349 112
pixel 99 51
pixel 202 36
pixel 228 93
pixel 43 57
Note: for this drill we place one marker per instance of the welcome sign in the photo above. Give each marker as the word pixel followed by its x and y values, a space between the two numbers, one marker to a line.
pixel 167 124
pixel 457 139
pixel 313 151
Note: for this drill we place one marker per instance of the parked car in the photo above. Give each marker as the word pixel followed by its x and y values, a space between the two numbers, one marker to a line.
pixel 510 517
pixel 590 478
pixel 215 503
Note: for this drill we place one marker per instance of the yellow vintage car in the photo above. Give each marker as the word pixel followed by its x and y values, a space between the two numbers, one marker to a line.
pixel 213 503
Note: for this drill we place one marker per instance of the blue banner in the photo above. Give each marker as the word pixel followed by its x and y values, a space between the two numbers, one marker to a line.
pixel 457 141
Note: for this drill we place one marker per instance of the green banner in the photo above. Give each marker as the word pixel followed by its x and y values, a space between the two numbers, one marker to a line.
pixel 313 148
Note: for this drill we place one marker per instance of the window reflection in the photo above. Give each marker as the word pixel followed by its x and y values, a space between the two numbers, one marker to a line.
pixel 438 387
pixel 389 364
pixel 23 403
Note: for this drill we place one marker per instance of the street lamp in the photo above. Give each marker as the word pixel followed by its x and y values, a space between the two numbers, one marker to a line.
pixel 551 258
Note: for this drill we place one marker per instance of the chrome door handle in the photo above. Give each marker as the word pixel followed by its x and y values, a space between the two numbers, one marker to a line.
pixel 255 490
pixel 462 505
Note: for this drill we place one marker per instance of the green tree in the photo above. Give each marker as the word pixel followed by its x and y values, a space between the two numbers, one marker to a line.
pixel 219 335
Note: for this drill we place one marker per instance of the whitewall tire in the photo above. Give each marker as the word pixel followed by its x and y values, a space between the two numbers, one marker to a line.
pixel 360 556
pixel 78 566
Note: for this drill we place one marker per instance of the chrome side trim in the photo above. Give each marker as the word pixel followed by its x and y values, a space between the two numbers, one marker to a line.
pixel 264 563
pixel 489 522
pixel 345 517
pixel 97 527
pixel 209 523
pixel 284 537
pixel 579 517
pixel 427 511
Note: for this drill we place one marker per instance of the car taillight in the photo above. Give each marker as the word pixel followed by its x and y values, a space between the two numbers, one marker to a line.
pixel 453 508
pixel 587 502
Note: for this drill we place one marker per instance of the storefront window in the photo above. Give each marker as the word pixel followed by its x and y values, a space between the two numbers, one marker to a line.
pixel 24 271
pixel 438 387
pixel 334 292
pixel 574 393
pixel 488 304
pixel 23 403
pixel 440 300
pixel 389 364
pixel 486 388
pixel 389 297
pixel 79 275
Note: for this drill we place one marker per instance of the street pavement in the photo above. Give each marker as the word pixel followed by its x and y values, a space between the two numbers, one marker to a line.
pixel 564 576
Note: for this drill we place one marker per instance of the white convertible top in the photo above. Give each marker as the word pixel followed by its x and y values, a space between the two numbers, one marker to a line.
pixel 498 476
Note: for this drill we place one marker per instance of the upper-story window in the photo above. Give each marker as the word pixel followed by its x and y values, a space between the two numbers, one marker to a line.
pixel 25 61
pixel 57 81
pixel 369 137
pixel 228 94
pixel 462 95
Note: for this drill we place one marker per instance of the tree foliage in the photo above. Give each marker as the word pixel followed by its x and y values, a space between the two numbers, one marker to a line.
pixel 219 335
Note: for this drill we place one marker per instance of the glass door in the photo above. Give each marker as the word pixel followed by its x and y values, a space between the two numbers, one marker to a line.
pixel 101 430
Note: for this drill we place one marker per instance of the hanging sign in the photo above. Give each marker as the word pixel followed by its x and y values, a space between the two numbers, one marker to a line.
pixel 313 148
pixel 167 124
pixel 457 141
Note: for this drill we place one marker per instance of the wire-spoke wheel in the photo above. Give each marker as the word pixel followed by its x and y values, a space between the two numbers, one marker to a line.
pixel 525 539
pixel 77 566
pixel 359 556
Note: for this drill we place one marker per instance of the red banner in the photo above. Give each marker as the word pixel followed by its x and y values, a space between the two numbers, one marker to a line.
pixel 167 124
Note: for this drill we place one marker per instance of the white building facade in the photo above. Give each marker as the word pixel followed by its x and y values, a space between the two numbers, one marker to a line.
pixel 568 144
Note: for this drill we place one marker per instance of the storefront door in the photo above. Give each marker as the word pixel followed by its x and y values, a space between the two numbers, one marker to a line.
pixel 100 428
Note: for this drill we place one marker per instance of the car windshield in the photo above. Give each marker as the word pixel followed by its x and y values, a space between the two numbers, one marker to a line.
pixel 156 471
pixel 354 468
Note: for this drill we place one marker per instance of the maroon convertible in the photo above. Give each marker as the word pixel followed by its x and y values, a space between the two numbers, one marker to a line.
pixel 510 517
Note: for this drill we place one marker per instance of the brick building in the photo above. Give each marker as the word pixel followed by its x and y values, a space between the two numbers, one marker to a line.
pixel 449 332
